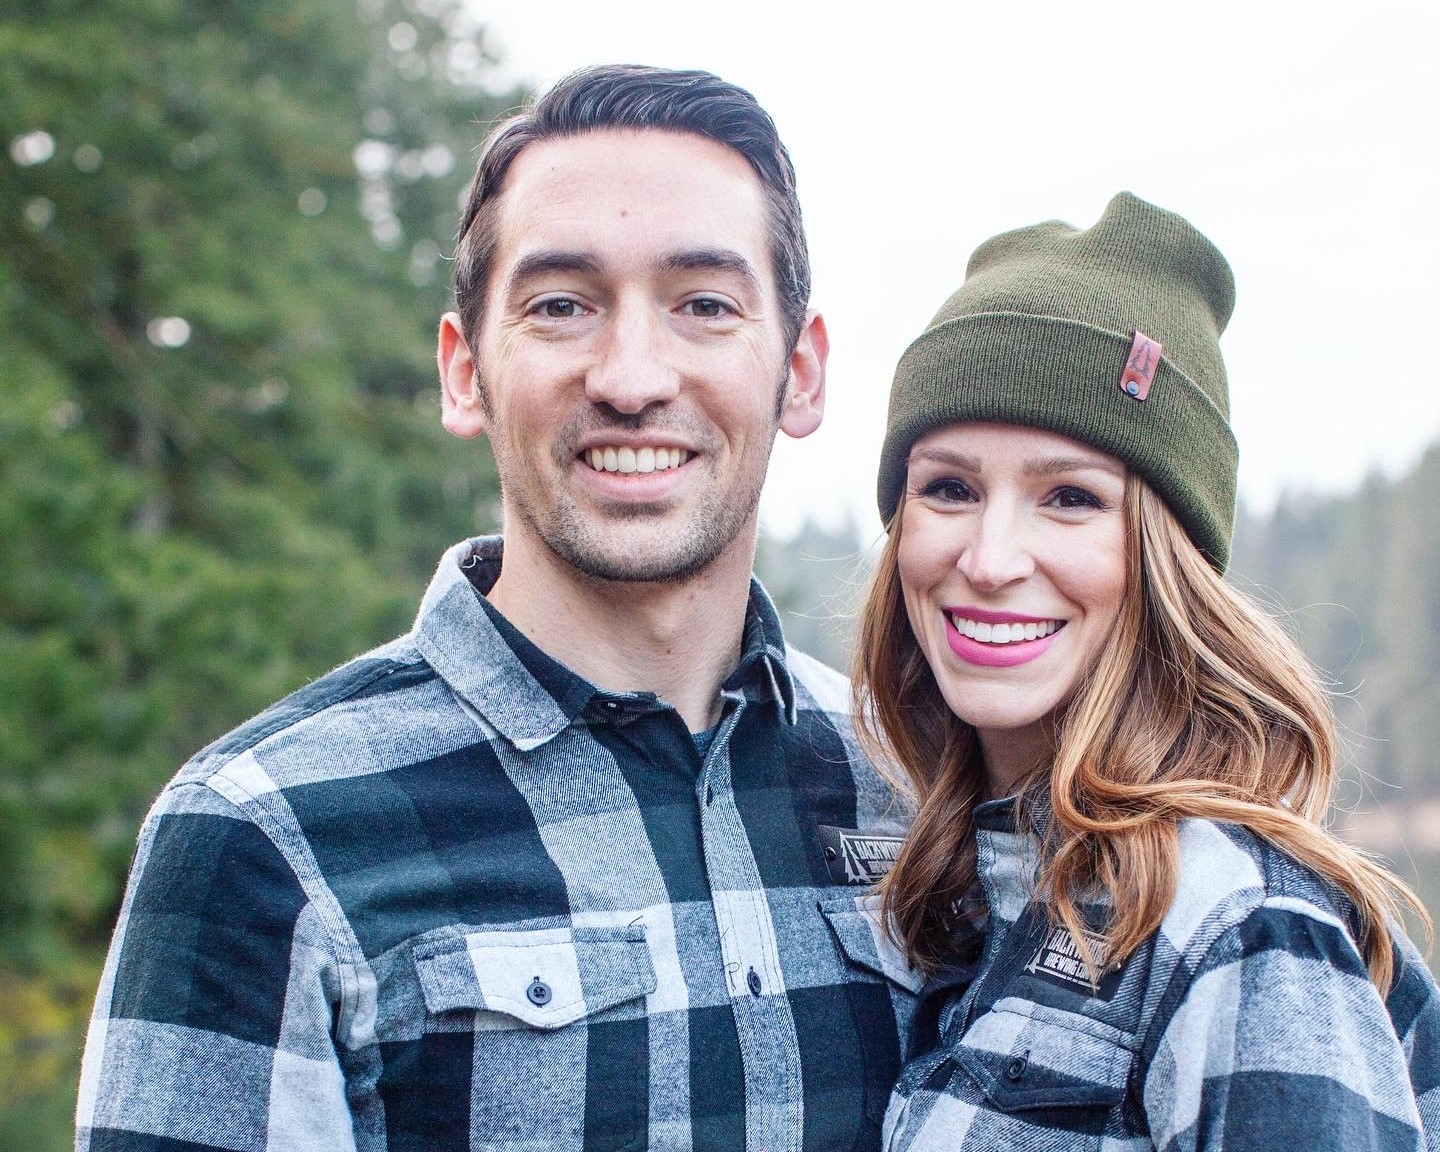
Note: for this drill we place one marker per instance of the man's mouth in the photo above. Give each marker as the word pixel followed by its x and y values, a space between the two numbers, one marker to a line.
pixel 624 458
pixel 1012 633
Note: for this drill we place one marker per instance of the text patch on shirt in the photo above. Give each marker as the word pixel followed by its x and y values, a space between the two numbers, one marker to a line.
pixel 1058 961
pixel 855 857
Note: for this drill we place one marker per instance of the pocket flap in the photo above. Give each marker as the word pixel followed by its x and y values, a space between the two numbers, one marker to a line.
pixel 546 978
pixel 855 921
pixel 1025 1055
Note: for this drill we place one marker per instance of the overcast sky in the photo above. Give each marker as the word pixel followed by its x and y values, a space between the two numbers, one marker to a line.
pixel 1302 138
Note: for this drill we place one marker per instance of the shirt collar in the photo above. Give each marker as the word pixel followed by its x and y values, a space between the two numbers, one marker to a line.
pixel 1003 815
pixel 762 666
pixel 528 696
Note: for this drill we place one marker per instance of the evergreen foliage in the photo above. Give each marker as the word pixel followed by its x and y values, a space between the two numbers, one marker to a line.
pixel 1357 574
pixel 221 238
pixel 817 579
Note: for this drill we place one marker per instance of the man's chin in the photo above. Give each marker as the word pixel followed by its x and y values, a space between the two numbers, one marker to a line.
pixel 656 556
pixel 628 568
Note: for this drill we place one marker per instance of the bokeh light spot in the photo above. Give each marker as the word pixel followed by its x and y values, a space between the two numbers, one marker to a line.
pixel 168 331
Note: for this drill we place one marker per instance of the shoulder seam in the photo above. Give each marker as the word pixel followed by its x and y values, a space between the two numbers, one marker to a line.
pixel 281 715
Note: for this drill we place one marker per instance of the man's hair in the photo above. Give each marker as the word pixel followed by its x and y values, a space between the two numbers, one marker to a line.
pixel 632 97
pixel 1198 706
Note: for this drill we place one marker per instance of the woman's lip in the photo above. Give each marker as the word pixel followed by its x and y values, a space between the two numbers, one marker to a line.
pixel 997 655
pixel 981 616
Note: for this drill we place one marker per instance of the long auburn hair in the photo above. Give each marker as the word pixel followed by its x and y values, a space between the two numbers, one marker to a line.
pixel 1199 705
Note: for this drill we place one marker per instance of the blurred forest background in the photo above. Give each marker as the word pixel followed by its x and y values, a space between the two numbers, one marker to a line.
pixel 223 238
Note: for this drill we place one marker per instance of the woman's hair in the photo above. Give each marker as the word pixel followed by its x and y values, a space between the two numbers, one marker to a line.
pixel 1199 705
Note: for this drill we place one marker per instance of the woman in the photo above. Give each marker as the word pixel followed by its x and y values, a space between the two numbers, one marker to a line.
pixel 1137 931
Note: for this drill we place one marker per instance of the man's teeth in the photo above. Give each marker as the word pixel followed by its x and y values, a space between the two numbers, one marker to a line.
pixel 627 459
pixel 1003 633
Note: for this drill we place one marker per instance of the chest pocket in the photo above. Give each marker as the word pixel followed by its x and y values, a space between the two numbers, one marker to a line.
pixel 883 991
pixel 1025 1056
pixel 545 979
pixel 561 1051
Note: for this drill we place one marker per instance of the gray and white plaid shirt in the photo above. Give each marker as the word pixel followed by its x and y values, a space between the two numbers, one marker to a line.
pixel 1247 1023
pixel 453 896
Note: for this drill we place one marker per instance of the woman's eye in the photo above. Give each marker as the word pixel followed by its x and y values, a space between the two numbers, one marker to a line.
pixel 1071 497
pixel 947 490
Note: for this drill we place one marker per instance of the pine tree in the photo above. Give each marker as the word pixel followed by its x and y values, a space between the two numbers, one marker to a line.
pixel 222 230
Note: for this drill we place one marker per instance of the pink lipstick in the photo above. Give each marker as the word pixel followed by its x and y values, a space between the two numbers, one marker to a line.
pixel 991 655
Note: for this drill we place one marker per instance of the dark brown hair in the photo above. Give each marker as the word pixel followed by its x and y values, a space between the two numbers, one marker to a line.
pixel 621 97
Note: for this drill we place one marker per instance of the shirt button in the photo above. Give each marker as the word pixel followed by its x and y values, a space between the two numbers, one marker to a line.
pixel 752 982
pixel 1016 1068
pixel 538 993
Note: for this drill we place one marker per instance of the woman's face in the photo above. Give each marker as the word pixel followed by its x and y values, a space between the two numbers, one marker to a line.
pixel 1012 562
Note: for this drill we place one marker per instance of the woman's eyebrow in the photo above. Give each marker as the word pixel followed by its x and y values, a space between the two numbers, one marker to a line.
pixel 1037 466
pixel 1053 465
pixel 945 456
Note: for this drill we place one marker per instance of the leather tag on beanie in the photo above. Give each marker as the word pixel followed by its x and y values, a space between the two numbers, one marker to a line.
pixel 1140 366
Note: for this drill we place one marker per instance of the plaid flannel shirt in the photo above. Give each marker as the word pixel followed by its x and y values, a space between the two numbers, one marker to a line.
pixel 453 896
pixel 1247 1021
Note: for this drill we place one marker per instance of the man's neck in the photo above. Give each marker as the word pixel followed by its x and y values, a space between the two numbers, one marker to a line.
pixel 679 641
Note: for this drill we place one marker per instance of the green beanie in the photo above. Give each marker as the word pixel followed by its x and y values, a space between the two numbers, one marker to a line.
pixel 1056 328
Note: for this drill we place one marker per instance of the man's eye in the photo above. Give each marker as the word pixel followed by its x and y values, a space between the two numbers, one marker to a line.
pixel 559 309
pixel 707 308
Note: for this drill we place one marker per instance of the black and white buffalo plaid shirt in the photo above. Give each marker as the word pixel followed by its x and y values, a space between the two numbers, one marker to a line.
pixel 1246 1023
pixel 452 896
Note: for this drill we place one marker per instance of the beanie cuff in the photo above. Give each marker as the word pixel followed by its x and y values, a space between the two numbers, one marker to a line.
pixel 1063 376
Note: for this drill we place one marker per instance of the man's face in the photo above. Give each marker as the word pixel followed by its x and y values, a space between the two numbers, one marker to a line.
pixel 630 368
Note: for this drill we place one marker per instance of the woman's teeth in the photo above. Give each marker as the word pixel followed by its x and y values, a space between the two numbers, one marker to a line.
pixel 627 459
pixel 1003 633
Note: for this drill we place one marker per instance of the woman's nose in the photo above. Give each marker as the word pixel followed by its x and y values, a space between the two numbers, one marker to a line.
pixel 996 553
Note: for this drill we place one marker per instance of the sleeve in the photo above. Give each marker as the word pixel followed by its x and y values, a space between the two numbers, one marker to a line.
pixel 212 1026
pixel 1414 1007
pixel 1276 1039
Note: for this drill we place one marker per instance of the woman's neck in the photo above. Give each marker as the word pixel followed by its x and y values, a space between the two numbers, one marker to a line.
pixel 1012 755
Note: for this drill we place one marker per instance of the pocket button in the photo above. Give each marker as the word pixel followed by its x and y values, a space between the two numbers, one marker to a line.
pixel 538 993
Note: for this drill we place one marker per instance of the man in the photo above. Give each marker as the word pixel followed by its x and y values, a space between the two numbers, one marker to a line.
pixel 576 863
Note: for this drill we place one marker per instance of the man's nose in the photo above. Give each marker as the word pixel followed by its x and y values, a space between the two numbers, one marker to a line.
pixel 632 367
pixel 996 553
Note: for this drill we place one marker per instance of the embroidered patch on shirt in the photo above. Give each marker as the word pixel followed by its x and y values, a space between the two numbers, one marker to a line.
pixel 1058 961
pixel 855 857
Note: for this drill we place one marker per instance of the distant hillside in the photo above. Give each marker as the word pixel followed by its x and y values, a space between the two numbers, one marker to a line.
pixel 1359 575
pixel 817 579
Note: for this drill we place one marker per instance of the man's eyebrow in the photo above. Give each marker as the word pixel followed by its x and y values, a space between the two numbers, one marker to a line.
pixel 548 262
pixel 712 260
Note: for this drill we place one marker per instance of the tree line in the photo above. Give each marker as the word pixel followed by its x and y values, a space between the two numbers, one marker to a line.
pixel 223 231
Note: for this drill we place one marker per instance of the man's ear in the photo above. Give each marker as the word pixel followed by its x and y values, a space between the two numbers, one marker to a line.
pixel 460 409
pixel 805 397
